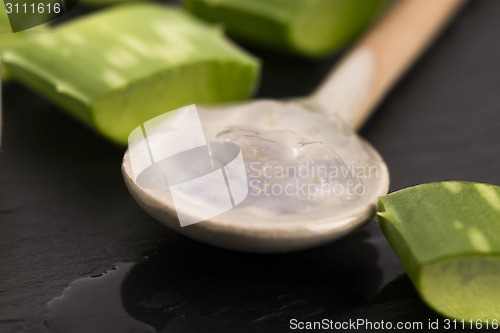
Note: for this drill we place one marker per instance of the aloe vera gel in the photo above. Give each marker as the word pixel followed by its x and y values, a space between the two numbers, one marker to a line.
pixel 447 236
pixel 120 67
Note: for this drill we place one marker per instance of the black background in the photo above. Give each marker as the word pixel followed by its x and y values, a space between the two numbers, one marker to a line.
pixel 65 212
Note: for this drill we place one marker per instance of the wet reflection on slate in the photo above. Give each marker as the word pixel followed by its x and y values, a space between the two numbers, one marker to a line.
pixel 93 304
pixel 191 287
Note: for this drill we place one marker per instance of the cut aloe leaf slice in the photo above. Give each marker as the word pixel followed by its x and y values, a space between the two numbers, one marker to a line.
pixel 7 37
pixel 310 28
pixel 125 65
pixel 447 236
pixel 98 3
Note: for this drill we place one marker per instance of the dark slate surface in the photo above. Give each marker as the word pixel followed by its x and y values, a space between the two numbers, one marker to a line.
pixel 66 214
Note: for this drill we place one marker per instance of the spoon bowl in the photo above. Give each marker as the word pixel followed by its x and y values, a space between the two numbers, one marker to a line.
pixel 332 179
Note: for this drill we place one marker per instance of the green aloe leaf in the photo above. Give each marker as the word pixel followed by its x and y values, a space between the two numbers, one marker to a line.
pixel 122 66
pixel 447 236
pixel 7 37
pixel 98 3
pixel 311 28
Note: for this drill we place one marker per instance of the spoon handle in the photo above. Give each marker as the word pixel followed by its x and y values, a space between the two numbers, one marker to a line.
pixel 363 77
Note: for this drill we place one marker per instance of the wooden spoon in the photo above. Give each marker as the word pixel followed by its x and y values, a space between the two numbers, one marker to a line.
pixel 318 129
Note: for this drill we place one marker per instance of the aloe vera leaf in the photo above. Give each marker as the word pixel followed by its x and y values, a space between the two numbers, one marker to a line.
pixel 7 37
pixel 447 236
pixel 98 3
pixel 125 65
pixel 312 28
